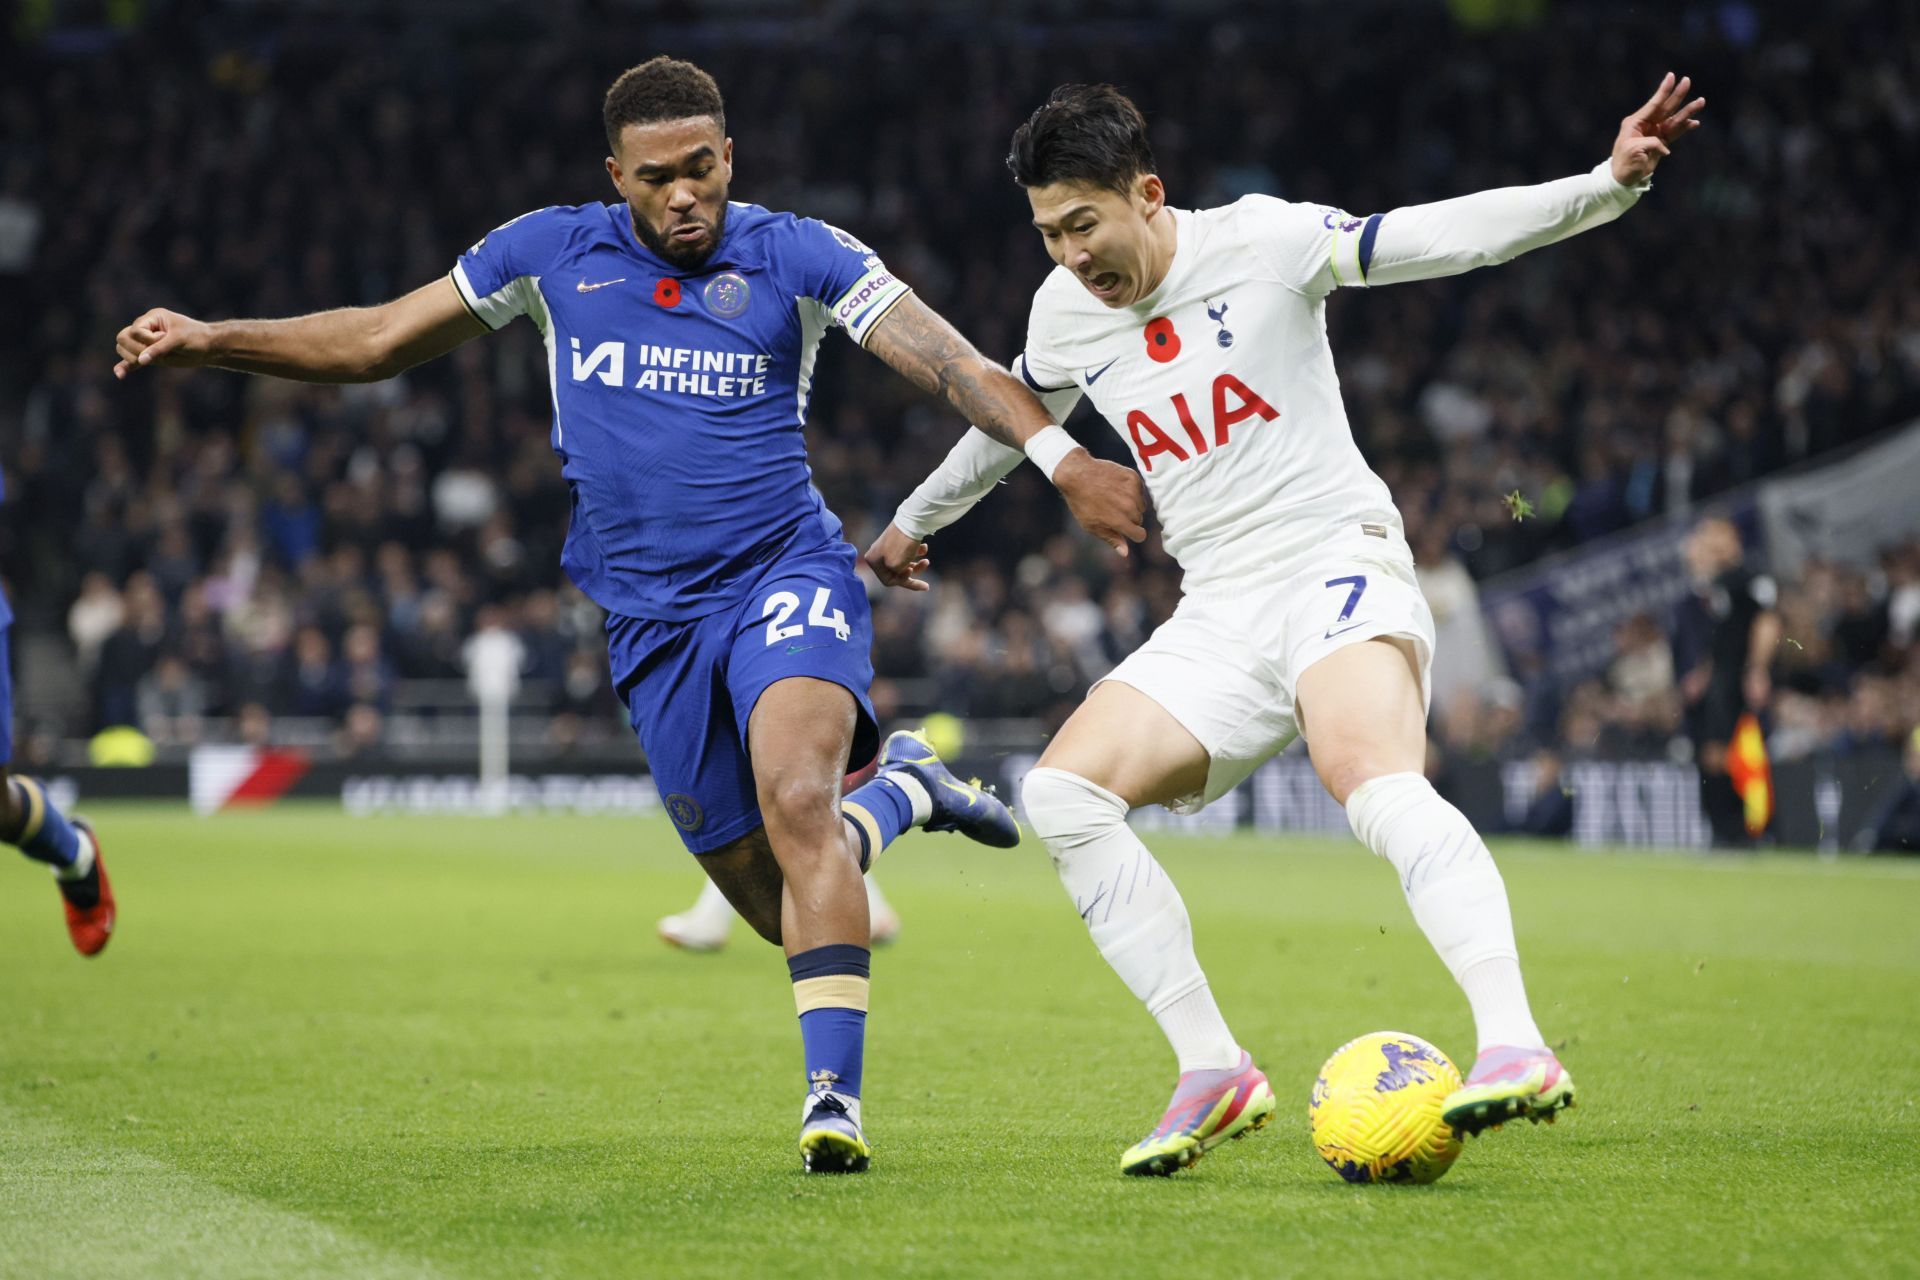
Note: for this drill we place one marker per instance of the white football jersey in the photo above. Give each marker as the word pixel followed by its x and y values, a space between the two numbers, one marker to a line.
pixel 1221 382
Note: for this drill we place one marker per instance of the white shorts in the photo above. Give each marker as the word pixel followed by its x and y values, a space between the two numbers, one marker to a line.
pixel 1226 664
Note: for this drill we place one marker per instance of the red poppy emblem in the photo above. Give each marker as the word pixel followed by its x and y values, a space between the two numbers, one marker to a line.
pixel 667 292
pixel 1163 344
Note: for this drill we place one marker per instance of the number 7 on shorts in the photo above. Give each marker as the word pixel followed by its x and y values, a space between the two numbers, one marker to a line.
pixel 1359 584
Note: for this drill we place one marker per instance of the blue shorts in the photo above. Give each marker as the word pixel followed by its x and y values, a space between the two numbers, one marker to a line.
pixel 690 687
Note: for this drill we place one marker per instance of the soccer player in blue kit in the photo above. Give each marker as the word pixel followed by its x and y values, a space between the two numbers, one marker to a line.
pixel 33 824
pixel 681 331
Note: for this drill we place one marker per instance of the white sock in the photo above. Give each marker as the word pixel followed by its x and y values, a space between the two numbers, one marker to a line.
pixel 1499 1000
pixel 914 790
pixel 1197 1032
pixel 82 860
pixel 1131 908
pixel 1458 898
pixel 711 909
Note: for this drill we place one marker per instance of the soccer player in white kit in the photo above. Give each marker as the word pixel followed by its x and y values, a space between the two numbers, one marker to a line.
pixel 1200 336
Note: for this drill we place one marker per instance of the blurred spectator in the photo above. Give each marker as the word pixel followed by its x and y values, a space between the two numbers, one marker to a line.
pixel 93 617
pixel 1897 828
pixel 1725 633
pixel 311 551
pixel 171 702
pixel 1550 811
pixel 1465 659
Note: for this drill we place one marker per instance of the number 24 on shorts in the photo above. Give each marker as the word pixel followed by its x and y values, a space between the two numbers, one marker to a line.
pixel 782 605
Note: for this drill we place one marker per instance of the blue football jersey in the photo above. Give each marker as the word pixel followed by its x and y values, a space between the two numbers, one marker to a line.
pixel 679 397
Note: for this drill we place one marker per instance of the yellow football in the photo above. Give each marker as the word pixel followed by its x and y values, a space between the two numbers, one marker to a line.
pixel 1376 1110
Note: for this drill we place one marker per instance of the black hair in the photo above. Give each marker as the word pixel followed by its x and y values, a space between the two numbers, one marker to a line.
pixel 1085 133
pixel 661 88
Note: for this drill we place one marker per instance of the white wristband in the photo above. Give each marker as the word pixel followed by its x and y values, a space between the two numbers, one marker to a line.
pixel 1046 447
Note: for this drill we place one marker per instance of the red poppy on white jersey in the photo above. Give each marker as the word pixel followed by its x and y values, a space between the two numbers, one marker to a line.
pixel 1221 383
pixel 1221 380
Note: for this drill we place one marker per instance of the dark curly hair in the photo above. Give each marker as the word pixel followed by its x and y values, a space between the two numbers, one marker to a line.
pixel 1085 133
pixel 660 88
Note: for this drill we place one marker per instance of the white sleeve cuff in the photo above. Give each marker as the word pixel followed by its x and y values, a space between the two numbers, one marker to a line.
pixel 971 469
pixel 1625 193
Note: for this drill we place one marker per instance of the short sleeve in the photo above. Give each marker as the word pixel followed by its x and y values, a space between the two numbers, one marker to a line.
pixel 1311 248
pixel 847 278
pixel 493 276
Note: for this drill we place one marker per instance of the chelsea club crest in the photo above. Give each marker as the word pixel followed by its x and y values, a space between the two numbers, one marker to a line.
pixel 725 295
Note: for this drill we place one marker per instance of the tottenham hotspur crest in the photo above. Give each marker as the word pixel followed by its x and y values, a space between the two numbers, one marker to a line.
pixel 1219 316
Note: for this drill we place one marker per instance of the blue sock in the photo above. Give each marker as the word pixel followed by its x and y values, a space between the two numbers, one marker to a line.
pixel 45 835
pixel 830 989
pixel 878 812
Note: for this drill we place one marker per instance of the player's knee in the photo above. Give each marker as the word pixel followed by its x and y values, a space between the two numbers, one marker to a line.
pixel 1376 805
pixel 798 803
pixel 1343 773
pixel 1065 810
pixel 1404 820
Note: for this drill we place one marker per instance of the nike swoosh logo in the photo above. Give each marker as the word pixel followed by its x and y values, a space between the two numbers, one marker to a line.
pixel 1331 633
pixel 584 287
pixel 802 648
pixel 967 792
pixel 1093 375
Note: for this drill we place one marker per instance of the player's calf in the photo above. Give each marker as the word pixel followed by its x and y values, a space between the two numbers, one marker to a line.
pixel 708 923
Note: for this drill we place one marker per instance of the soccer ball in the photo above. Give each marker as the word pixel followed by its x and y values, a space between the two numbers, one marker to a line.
pixel 1376 1110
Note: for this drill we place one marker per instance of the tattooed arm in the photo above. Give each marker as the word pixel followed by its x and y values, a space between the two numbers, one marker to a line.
pixel 931 354
pixel 1106 498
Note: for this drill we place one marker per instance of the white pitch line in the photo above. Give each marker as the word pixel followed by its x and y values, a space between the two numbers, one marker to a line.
pixel 74 1207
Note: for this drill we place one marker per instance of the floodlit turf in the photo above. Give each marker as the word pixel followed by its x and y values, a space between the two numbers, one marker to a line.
pixel 447 1047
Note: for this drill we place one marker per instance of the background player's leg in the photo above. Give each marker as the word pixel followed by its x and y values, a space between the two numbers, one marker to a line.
pixel 747 876
pixel 704 926
pixel 33 824
pixel 708 923
pixel 1361 710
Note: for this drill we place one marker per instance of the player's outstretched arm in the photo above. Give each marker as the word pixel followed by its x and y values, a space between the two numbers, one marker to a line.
pixel 967 474
pixel 1447 237
pixel 353 344
pixel 1107 499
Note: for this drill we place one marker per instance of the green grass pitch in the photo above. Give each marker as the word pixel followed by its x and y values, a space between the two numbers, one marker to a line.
pixel 324 1046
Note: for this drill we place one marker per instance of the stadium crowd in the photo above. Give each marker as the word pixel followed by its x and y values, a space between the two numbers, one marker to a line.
pixel 226 555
